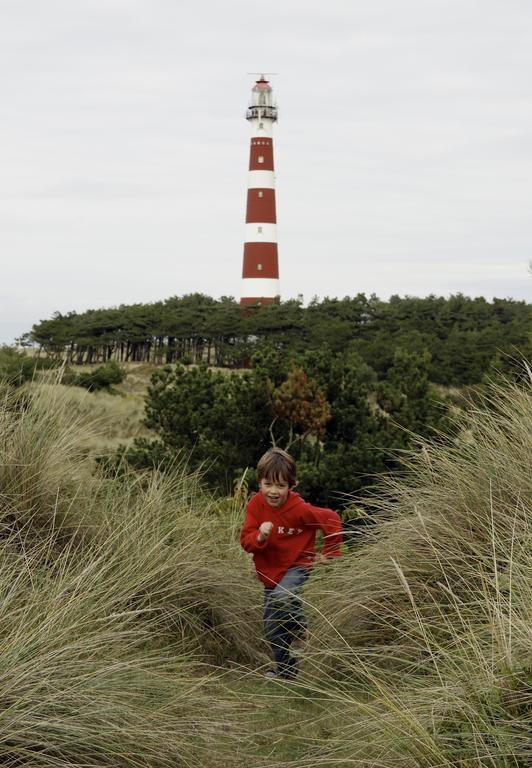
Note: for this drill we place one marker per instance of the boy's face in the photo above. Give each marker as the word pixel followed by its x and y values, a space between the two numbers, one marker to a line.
pixel 275 492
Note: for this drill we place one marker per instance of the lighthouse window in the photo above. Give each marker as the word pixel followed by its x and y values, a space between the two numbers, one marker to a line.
pixel 259 229
pixel 260 193
pixel 260 159
pixel 259 267
pixel 261 125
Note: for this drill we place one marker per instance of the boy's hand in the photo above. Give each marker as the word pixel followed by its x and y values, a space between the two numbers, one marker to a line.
pixel 264 530
pixel 320 559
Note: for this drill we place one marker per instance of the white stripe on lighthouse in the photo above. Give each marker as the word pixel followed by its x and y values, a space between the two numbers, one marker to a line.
pixel 260 287
pixel 261 233
pixel 261 180
pixel 261 128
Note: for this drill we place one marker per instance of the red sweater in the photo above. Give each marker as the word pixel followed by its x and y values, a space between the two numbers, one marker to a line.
pixel 292 540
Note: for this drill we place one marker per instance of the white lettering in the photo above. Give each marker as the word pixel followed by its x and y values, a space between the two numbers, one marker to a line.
pixel 280 529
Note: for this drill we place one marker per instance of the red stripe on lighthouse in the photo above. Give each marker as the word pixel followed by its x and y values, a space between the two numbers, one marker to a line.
pixel 260 260
pixel 261 206
pixel 261 155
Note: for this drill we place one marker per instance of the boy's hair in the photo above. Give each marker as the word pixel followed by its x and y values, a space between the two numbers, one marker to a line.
pixel 276 465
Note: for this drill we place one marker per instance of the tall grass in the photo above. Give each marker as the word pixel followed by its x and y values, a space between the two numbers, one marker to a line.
pixel 44 478
pixel 117 598
pixel 170 555
pixel 456 523
pixel 422 640
pixel 123 598
pixel 107 419
pixel 82 683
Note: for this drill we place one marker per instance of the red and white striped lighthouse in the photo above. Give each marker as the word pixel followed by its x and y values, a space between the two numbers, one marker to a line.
pixel 260 272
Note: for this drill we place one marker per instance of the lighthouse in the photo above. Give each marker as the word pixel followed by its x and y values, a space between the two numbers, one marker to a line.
pixel 260 271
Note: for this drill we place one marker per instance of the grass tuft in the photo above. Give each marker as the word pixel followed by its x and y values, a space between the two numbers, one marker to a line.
pixel 423 636
pixel 117 600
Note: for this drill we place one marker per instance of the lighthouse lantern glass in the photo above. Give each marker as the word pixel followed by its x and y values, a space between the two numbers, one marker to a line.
pixel 261 95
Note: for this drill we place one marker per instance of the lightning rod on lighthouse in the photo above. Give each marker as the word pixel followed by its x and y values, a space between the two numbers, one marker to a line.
pixel 260 271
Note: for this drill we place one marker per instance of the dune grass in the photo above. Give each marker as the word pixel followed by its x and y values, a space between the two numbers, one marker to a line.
pixel 117 604
pixel 82 681
pixel 456 523
pixel 130 629
pixel 432 616
pixel 106 420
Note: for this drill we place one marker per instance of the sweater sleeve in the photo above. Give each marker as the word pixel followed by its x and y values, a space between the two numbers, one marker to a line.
pixel 330 523
pixel 249 533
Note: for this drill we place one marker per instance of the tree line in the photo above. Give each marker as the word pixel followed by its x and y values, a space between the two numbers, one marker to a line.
pixel 464 337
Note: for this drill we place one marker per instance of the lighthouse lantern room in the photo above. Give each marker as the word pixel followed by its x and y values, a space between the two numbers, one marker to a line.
pixel 260 272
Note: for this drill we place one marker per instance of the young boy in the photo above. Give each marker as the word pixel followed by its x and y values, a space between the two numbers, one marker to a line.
pixel 280 530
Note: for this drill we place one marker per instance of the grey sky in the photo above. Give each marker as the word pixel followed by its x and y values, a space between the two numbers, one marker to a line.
pixel 403 150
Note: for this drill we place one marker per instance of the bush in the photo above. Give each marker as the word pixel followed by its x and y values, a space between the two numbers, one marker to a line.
pixel 220 420
pixel 17 367
pixel 102 377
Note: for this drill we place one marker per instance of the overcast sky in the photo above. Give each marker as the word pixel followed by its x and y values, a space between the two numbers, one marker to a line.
pixel 403 149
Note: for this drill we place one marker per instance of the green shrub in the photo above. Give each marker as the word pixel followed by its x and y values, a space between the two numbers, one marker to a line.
pixel 102 377
pixel 17 367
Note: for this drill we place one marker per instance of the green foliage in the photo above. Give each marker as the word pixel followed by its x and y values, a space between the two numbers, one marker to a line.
pixel 102 377
pixel 463 335
pixel 353 448
pixel 406 397
pixel 341 422
pixel 17 367
pixel 221 419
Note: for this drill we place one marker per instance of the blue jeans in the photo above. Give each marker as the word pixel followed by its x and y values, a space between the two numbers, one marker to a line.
pixel 284 617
